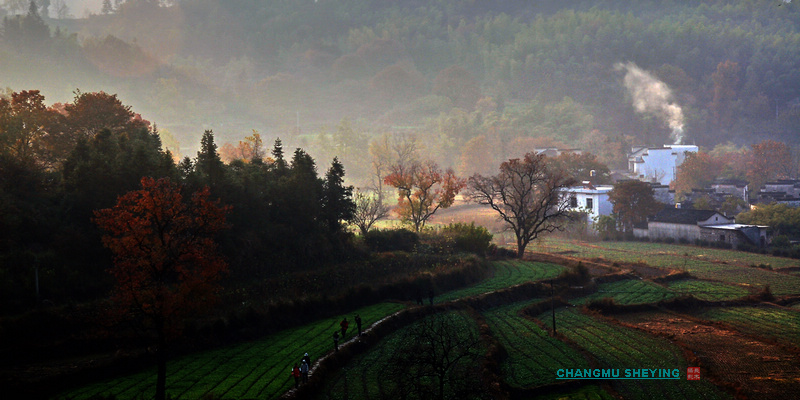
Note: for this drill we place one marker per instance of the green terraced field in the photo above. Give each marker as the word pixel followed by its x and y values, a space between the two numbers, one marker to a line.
pixel 635 250
pixel 630 291
pixel 258 369
pixel 705 290
pixel 365 376
pixel 533 355
pixel 772 322
pixel 727 266
pixel 506 274
pixel 589 392
pixel 614 346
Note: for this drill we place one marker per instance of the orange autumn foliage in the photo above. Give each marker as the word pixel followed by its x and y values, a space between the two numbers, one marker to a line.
pixel 166 263
pixel 422 189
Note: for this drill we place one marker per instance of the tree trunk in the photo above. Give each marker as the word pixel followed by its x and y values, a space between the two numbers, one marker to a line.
pixel 161 359
pixel 521 244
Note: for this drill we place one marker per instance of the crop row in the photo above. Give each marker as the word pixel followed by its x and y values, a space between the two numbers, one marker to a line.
pixel 630 291
pixel 617 347
pixel 254 369
pixel 706 290
pixel 781 324
pixel 588 392
pixel 506 274
pixel 370 376
pixel 533 355
pixel 634 291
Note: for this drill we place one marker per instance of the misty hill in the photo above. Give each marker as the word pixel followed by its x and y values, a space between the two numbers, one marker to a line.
pixel 509 73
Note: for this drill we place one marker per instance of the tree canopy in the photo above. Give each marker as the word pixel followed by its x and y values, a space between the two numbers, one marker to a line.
pixel 527 194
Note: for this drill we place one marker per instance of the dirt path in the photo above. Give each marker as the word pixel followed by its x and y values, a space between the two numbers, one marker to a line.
pixel 757 369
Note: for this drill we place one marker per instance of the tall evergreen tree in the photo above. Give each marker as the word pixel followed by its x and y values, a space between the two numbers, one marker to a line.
pixel 209 164
pixel 337 199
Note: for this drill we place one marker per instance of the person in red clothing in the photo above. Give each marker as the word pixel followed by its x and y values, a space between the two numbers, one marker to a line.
pixel 344 324
pixel 296 375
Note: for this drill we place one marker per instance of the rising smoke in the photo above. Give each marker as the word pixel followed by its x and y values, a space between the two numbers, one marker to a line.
pixel 651 96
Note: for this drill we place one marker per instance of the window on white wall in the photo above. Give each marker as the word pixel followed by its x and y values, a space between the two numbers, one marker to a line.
pixel 589 204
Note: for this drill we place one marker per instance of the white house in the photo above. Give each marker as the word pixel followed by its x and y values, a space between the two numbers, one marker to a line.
pixel 658 164
pixel 593 200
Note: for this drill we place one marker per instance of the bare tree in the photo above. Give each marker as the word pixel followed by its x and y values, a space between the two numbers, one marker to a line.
pixel 527 194
pixel 437 358
pixel 391 149
pixel 369 209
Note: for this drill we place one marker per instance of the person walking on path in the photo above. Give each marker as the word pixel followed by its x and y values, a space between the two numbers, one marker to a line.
pixel 358 323
pixel 306 359
pixel 296 375
pixel 336 340
pixel 344 324
pixel 304 371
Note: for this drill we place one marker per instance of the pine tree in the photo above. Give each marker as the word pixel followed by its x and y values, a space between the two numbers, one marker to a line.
pixel 208 163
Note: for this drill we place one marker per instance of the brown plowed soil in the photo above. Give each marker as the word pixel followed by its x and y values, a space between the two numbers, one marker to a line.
pixel 758 369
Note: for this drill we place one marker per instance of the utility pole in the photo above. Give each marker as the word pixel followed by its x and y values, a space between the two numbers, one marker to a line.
pixel 553 306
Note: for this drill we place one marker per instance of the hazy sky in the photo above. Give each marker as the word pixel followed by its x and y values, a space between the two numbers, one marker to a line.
pixel 77 7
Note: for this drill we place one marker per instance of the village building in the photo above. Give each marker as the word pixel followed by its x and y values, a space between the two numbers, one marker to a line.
pixel 658 164
pixel 785 191
pixel 701 225
pixel 590 199
pixel 732 187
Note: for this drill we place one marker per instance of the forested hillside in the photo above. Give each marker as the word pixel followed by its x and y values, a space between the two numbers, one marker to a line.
pixel 458 74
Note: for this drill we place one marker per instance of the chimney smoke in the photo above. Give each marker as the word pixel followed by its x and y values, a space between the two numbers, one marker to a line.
pixel 652 96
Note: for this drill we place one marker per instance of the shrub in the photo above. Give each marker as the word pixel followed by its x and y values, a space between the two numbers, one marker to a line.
pixel 781 241
pixel 391 240
pixel 468 238
pixel 577 276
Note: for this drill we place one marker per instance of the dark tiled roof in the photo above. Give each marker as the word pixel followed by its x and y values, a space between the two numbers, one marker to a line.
pixel 682 216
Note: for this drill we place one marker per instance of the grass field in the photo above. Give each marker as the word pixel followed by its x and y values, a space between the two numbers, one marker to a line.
pixel 258 369
pixel 507 274
pixel 727 266
pixel 616 347
pixel 533 355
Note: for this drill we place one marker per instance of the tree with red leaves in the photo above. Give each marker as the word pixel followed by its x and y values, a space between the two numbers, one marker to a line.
pixel 166 263
pixel 422 189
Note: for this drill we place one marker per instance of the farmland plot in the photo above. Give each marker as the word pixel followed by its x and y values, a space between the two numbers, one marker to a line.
pixel 258 369
pixel 759 369
pixel 533 355
pixel 614 346
pixel 707 290
pixel 506 274
pixel 369 375
pixel 630 291
pixel 636 250
pixel 727 266
pixel 776 323
pixel 588 392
